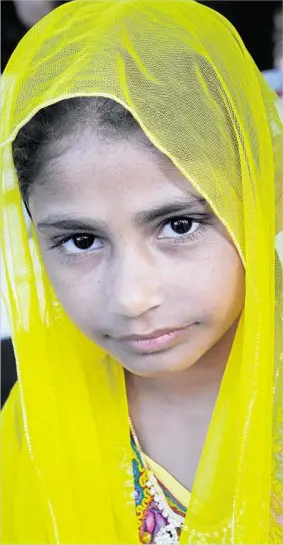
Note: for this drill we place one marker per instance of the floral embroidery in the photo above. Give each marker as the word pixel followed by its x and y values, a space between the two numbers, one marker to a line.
pixel 150 519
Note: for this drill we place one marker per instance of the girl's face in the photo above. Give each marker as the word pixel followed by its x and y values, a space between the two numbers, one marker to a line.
pixel 136 256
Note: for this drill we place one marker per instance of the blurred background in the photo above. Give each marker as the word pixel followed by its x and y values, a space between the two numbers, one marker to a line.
pixel 259 23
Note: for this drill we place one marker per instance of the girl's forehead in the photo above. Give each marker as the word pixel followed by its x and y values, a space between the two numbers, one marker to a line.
pixel 112 170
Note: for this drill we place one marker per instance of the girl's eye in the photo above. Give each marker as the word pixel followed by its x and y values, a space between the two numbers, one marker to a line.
pixel 182 227
pixel 81 243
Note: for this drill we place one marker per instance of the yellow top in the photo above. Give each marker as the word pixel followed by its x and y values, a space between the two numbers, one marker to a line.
pixel 177 489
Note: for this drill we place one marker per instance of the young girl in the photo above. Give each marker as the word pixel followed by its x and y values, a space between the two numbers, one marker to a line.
pixel 146 314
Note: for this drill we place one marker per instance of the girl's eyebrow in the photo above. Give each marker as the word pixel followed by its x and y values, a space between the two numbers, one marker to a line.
pixel 68 223
pixel 176 206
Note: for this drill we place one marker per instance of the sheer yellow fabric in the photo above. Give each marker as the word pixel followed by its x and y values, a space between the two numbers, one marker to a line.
pixel 184 73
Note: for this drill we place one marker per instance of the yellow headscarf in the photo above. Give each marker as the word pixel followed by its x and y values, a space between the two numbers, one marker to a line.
pixel 184 73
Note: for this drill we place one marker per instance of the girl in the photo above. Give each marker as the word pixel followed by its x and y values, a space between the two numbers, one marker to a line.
pixel 146 316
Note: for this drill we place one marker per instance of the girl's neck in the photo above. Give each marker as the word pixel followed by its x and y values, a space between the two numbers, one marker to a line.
pixel 171 413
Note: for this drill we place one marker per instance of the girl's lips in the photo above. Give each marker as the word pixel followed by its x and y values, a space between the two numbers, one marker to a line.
pixel 154 343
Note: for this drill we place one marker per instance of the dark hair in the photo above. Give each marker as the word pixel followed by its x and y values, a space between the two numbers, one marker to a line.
pixel 43 136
